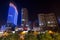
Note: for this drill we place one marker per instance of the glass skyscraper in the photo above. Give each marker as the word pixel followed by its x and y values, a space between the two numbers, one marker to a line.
pixel 12 14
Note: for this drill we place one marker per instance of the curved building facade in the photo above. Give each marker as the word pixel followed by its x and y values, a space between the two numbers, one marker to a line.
pixel 12 14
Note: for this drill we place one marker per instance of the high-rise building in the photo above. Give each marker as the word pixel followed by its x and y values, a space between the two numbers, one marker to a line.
pixel 24 17
pixel 42 23
pixel 47 20
pixel 12 14
pixel 41 18
pixel 51 20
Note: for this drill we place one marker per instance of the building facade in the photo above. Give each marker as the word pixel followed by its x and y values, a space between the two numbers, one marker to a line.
pixel 12 14
pixel 24 17
pixel 47 21
pixel 51 20
pixel 41 18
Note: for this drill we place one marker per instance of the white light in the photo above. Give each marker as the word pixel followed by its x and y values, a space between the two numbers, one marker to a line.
pixel 23 20
pixel 41 24
pixel 49 22
pixel 20 28
pixel 13 31
pixel 22 24
pixel 16 29
pixel 25 31
pixel 28 29
pixel 42 32
pixel 27 25
pixel 1 32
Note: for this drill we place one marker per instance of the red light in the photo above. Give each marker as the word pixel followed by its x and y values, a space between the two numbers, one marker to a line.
pixel 25 28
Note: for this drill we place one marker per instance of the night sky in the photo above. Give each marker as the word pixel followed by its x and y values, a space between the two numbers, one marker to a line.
pixel 34 7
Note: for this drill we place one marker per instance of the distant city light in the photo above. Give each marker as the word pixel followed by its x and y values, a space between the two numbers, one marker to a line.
pixel 13 31
pixel 2 32
pixel 27 25
pixel 41 24
pixel 23 20
pixel 16 29
pixel 22 24
pixel 49 22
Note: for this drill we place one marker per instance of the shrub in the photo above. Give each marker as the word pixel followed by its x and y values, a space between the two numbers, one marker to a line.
pixel 30 36
pixel 45 36
pixel 57 36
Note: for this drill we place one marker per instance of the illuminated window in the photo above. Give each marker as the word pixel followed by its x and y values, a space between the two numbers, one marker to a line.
pixel 27 25
pixel 41 24
pixel 49 22
pixel 51 25
pixel 52 21
pixel 23 19
pixel 13 31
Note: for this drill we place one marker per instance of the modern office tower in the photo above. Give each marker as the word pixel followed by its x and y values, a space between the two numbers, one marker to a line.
pixel 51 20
pixel 24 17
pixel 41 18
pixel 42 23
pixel 47 20
pixel 12 14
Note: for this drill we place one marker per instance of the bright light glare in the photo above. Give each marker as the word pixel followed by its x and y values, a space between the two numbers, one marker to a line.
pixel 1 32
pixel 50 31
pixel 23 19
pixel 13 31
pixel 48 22
pixel 24 32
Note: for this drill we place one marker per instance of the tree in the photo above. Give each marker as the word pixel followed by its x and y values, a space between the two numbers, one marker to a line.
pixel 30 36
pixel 48 36
pixel 57 36
pixel 45 36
